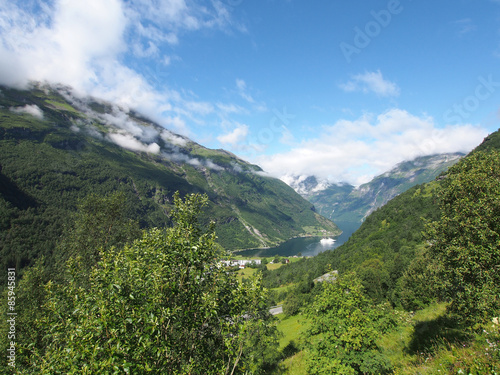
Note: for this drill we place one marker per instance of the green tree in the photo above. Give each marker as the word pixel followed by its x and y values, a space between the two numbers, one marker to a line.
pixel 100 223
pixel 343 333
pixel 163 304
pixel 467 237
pixel 375 278
pixel 421 283
pixel 292 304
pixel 29 298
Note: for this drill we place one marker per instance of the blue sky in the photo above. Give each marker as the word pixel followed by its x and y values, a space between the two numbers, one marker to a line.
pixel 339 89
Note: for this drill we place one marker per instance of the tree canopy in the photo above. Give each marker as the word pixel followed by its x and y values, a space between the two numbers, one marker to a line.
pixel 466 239
pixel 161 304
pixel 344 329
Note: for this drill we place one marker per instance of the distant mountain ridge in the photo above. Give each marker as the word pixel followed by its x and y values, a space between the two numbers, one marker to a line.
pixel 347 203
pixel 56 148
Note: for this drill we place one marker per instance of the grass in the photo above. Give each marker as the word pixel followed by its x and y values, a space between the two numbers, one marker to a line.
pixel 292 328
pixel 294 365
pixel 245 273
pixel 274 266
pixel 434 343
pixel 64 107
pixel 394 343
pixel 283 288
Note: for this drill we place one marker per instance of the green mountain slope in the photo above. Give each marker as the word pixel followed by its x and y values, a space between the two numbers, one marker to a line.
pixel 347 203
pixel 56 148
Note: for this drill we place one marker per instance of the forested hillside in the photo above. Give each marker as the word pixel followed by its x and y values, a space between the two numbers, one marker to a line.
pixel 57 148
pixel 434 248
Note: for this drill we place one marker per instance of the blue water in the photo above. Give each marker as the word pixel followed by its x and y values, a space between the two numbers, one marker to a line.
pixel 305 246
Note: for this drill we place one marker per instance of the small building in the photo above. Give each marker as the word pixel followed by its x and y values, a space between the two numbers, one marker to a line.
pixel 242 263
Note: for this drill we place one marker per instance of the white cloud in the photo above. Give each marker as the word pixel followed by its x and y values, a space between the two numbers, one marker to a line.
pixel 129 142
pixel 32 110
pixel 173 138
pixel 356 151
pixel 242 90
pixel 70 49
pixel 235 137
pixel 178 15
pixel 86 45
pixel 371 82
pixel 227 109
pixel 120 119
pixel 202 108
pixel 150 51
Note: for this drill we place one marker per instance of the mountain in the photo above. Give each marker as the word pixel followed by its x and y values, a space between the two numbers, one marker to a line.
pixel 346 203
pixel 57 147
pixel 387 241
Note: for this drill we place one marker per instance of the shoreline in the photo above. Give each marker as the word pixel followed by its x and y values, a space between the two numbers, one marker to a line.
pixel 257 249
pixel 333 236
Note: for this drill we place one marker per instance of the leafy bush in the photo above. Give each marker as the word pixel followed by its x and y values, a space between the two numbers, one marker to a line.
pixel 162 304
pixel 344 330
pixel 466 240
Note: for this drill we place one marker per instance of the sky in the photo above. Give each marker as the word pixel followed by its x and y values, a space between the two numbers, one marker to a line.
pixel 342 90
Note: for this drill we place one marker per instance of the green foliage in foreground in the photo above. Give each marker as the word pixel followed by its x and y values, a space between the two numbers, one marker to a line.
pixel 344 328
pixel 162 305
pixel 100 224
pixel 467 238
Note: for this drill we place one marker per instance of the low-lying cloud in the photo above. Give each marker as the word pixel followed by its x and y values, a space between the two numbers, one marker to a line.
pixel 88 45
pixel 129 142
pixel 131 133
pixel 32 110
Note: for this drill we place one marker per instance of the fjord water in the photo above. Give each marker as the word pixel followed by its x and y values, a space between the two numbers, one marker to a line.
pixel 305 246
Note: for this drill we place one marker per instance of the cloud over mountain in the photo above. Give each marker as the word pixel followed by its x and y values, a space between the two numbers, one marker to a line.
pixel 356 151
pixel 91 45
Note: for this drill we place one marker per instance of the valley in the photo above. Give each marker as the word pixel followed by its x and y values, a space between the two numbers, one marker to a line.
pixel 88 183
pixel 82 145
pixel 342 202
pixel 231 187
